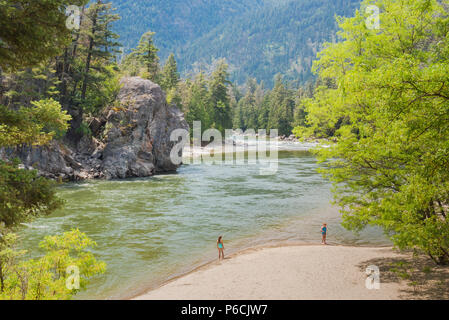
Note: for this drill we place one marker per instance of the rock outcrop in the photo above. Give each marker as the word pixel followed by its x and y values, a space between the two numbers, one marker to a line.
pixel 137 135
pixel 130 139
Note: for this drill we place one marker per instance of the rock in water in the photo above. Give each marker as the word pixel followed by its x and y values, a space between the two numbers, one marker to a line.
pixel 137 134
pixel 133 140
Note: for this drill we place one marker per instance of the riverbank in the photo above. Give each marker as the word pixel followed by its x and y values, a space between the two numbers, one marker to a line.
pixel 293 272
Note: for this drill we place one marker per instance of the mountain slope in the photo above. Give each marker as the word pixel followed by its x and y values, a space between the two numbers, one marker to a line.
pixel 259 38
pixel 175 21
pixel 279 39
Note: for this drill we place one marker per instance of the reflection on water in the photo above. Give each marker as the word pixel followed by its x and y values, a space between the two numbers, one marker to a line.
pixel 150 229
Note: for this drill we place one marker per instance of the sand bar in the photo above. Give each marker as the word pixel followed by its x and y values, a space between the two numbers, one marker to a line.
pixel 288 273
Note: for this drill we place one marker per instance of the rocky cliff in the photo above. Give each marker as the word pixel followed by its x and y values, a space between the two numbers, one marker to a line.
pixel 130 139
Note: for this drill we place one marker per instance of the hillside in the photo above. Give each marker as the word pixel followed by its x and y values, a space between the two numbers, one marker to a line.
pixel 275 39
pixel 259 38
pixel 176 22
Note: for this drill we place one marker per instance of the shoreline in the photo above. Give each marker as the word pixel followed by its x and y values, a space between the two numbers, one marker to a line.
pixel 203 275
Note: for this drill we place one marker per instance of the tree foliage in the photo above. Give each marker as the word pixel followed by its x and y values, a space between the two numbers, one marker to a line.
pixel 60 273
pixel 36 125
pixel 32 31
pixel 389 109
pixel 24 195
pixel 170 74
pixel 146 55
pixel 82 76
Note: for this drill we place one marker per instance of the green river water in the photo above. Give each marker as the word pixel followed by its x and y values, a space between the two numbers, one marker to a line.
pixel 149 230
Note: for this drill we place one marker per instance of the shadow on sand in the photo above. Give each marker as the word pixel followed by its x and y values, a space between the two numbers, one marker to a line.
pixel 425 280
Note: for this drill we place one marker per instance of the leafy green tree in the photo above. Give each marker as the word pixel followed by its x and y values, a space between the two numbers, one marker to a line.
pixel 8 256
pixel 389 164
pixel 58 275
pixel 37 125
pixel 24 195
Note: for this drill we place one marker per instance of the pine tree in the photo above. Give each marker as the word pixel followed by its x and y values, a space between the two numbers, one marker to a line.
pixel 31 32
pixel 219 97
pixel 264 112
pixel 102 44
pixel 281 109
pixel 170 74
pixel 89 60
pixel 238 121
pixel 250 107
pixel 199 108
pixel 146 53
pixel 237 114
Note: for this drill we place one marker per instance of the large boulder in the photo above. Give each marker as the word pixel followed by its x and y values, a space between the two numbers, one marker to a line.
pixel 137 131
pixel 131 139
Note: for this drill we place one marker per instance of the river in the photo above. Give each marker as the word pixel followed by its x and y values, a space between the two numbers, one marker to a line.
pixel 149 230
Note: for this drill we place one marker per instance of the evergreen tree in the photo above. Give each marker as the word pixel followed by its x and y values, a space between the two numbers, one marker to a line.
pixel 146 54
pixel 199 107
pixel 219 97
pixel 31 32
pixel 264 112
pixel 249 105
pixel 30 84
pixel 88 69
pixel 237 112
pixel 102 44
pixel 281 108
pixel 300 109
pixel 170 74
pixel 238 120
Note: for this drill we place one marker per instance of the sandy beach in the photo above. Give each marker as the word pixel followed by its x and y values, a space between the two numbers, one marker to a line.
pixel 289 273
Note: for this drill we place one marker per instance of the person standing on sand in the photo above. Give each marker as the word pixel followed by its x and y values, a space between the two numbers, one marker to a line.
pixel 220 247
pixel 324 233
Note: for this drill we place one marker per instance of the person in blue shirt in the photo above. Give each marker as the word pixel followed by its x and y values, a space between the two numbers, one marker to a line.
pixel 324 233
